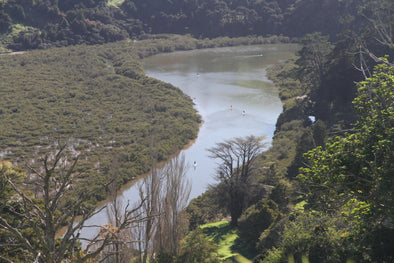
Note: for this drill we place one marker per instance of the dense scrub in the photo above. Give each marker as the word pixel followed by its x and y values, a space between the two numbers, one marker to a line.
pixel 99 101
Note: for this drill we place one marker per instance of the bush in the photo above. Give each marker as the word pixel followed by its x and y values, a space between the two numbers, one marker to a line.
pixel 197 248
pixel 256 219
pixel 310 236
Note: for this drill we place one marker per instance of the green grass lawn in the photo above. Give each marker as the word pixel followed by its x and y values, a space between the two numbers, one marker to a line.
pixel 225 237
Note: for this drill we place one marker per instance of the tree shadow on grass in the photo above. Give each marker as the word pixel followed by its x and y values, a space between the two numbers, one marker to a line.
pixel 218 233
pixel 245 249
pixel 225 235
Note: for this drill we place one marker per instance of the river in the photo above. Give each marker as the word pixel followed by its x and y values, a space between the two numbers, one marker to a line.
pixel 231 92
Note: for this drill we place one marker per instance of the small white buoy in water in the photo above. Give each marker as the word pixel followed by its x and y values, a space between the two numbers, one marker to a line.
pixel 243 113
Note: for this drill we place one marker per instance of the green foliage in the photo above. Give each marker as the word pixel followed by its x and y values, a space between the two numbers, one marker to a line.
pixel 235 168
pixel 271 238
pixel 308 16
pixel 285 147
pixel 115 2
pixel 293 110
pixel 256 219
pixel 319 133
pixel 284 76
pixel 309 236
pixel 353 173
pixel 279 194
pixel 5 21
pixel 198 248
pixel 225 237
pixel 9 210
pixel 15 173
pixel 99 101
pixel 334 95
pixel 71 22
pixel 164 257
pixel 361 163
pixel 203 209
pixel 312 59
pixel 356 170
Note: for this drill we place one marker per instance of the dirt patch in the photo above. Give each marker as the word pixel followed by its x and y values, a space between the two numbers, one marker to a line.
pixel 13 53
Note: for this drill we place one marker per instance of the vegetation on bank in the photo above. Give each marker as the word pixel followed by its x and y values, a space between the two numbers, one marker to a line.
pixel 337 208
pixel 98 100
pixel 339 205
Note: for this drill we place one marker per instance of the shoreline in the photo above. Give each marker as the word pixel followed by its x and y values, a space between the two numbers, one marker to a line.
pixel 130 183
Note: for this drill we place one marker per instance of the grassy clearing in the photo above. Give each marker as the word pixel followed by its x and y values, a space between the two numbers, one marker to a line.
pixel 225 236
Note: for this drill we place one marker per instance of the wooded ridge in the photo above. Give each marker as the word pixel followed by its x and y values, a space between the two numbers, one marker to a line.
pixel 31 24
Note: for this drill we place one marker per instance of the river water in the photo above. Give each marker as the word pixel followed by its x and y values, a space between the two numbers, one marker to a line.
pixel 231 92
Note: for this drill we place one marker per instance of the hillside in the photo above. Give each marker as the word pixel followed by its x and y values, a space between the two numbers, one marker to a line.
pixel 35 24
pixel 322 193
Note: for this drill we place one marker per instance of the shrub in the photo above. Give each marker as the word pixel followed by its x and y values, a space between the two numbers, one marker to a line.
pixel 256 219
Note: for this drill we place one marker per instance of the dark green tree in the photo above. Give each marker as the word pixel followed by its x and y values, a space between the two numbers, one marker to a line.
pixel 234 173
pixel 313 58
pixel 196 248
pixel 356 171
pixel 309 237
pixel 5 20
pixel 256 219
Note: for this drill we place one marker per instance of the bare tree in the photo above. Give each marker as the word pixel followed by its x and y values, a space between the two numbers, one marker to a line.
pixel 175 195
pixel 119 249
pixel 236 163
pixel 122 219
pixel 46 216
pixel 380 16
pixel 149 190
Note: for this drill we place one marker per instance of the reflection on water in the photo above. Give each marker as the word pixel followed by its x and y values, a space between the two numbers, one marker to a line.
pixel 224 83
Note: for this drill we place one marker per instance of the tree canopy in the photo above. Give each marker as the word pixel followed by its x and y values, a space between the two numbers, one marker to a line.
pixel 356 171
pixel 40 24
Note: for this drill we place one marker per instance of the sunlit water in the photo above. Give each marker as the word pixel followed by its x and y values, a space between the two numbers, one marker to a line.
pixel 231 92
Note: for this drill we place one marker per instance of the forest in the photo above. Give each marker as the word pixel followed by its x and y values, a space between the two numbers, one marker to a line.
pixel 76 107
pixel 32 24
